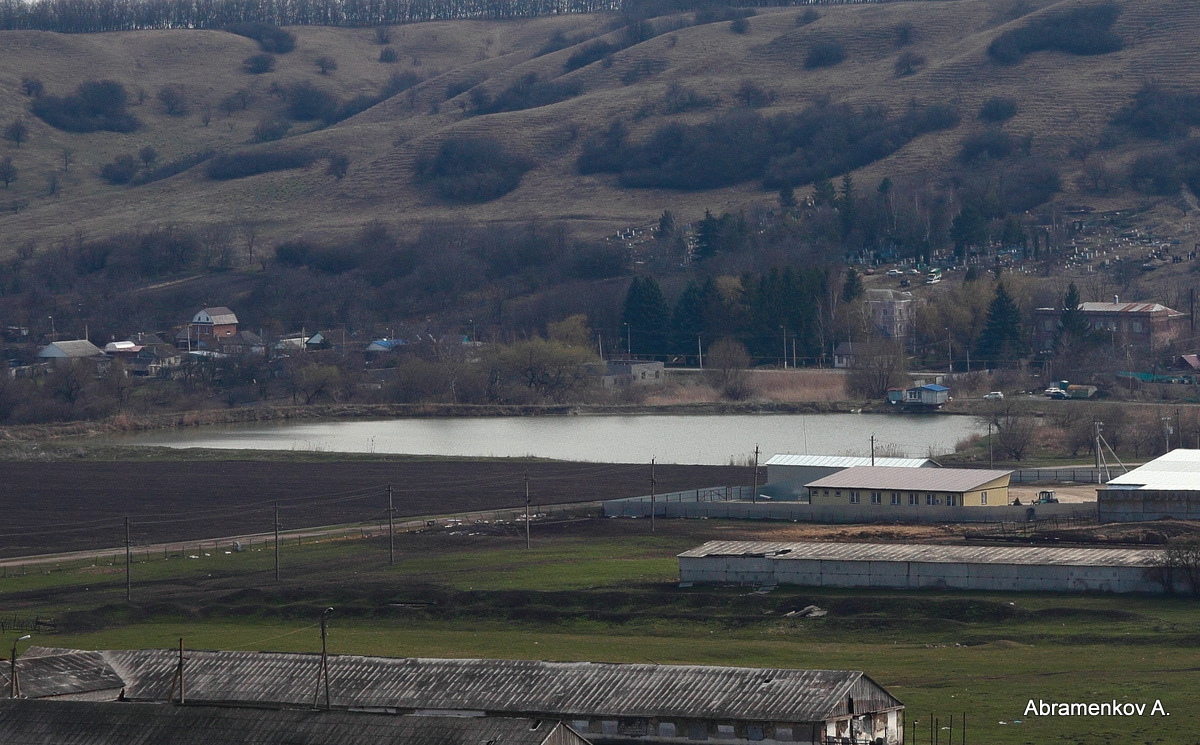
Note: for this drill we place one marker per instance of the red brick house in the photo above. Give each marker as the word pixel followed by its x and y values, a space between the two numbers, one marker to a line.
pixel 1149 326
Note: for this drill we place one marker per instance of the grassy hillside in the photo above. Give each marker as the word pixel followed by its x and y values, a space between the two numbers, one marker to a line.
pixel 1064 101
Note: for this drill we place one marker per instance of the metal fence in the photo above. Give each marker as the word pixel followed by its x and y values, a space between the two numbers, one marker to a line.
pixel 1078 474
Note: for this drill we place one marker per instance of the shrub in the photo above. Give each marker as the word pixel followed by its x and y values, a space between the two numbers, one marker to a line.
pixel 908 63
pixel 998 109
pixel 32 87
pixel 120 171
pixel 824 53
pixel 750 95
pixel 96 106
pixel 717 14
pixel 270 37
pixel 17 132
pixel 1159 114
pixel 739 26
pixel 251 163
pixel 994 144
pixel 472 170
pixel 306 102
pixel 1081 31
pixel 810 15
pixel 171 168
pixel 173 100
pixel 147 155
pixel 325 64
pixel 339 165
pixel 383 35
pixel 398 83
pixel 679 99
pixel 458 87
pixel 530 92
pixel 905 34
pixel 388 55
pixel 269 130
pixel 258 64
pixel 590 53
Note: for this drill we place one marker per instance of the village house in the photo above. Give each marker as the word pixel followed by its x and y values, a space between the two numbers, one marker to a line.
pixel 70 351
pixel 1145 326
pixel 884 486
pixel 843 355
pixel 626 373
pixel 892 312
pixel 207 325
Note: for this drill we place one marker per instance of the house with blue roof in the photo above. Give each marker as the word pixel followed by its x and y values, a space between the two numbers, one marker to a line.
pixel 931 395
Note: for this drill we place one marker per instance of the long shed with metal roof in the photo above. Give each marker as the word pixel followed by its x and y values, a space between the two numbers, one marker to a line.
pixel 912 487
pixel 604 702
pixel 31 722
pixel 915 566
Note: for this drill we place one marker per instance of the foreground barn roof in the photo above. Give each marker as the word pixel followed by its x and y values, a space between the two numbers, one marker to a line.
pixel 509 687
pixel 24 722
pixel 915 479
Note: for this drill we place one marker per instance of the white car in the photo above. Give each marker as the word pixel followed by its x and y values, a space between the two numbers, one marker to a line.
pixel 895 273
pixel 994 396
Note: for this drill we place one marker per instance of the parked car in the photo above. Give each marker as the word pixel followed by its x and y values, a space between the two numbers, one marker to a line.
pixel 994 396
pixel 905 283
pixel 894 273
pixel 1058 394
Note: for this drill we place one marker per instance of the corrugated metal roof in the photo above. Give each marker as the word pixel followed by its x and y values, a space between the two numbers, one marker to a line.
pixel 844 461
pixel 44 672
pixel 933 554
pixel 112 723
pixel 1124 308
pixel 915 479
pixel 72 348
pixel 562 690
pixel 1178 470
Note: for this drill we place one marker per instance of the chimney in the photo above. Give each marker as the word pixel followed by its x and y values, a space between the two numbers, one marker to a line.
pixel 1116 299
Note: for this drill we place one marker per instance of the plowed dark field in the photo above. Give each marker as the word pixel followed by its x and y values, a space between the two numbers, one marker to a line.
pixel 57 506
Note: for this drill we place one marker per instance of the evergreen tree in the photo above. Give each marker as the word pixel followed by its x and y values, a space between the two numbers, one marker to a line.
pixel 824 193
pixel 645 317
pixel 852 288
pixel 1073 330
pixel 969 228
pixel 666 227
pixel 687 320
pixel 1002 340
pixel 787 198
pixel 846 207
pixel 706 236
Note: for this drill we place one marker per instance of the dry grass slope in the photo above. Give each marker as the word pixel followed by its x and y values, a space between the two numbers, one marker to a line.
pixel 1062 99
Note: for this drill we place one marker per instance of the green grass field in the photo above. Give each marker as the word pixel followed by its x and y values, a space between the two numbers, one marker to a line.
pixel 606 590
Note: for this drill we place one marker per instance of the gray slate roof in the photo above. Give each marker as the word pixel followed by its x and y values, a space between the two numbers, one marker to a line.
pixel 551 690
pixel 44 673
pixel 220 315
pixel 915 479
pixel 24 722
pixel 933 554
pixel 71 349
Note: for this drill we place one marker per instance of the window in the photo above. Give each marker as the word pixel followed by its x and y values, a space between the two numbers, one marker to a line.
pixel 876 497
pixel 608 727
pixel 579 725
pixel 853 497
pixel 697 731
pixel 951 500
pixel 930 500
pixel 724 731
pixel 837 493
pixel 783 734
pixel 895 497
pixel 754 732
pixel 914 499
pixel 983 497
pixel 666 729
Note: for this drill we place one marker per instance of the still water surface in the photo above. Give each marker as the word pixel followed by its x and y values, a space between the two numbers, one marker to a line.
pixel 687 438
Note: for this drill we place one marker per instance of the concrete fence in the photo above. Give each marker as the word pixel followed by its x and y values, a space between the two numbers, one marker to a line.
pixel 744 509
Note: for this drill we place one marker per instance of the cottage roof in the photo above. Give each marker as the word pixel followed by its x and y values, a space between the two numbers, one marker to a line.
pixel 914 479
pixel 932 387
pixel 218 316
pixel 844 348
pixel 509 687
pixel 72 349
pixel 110 723
pixel 932 554
pixel 46 672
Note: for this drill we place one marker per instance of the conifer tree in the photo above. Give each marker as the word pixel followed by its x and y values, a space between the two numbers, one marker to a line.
pixel 645 317
pixel 1002 341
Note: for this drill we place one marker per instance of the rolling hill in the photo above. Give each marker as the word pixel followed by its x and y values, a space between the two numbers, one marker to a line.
pixel 1064 102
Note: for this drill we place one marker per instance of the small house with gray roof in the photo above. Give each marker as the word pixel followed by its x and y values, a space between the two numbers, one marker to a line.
pixel 884 487
pixel 67 352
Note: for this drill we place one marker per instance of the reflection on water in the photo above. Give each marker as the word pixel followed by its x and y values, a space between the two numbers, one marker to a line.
pixel 690 438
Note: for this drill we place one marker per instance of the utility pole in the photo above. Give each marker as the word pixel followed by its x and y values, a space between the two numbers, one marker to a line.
pixel 754 494
pixel 1096 430
pixel 991 459
pixel 872 448
pixel 391 528
pixel 527 510
pixel 652 505
pixel 700 352
pixel 323 673
pixel 128 563
pixel 276 540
